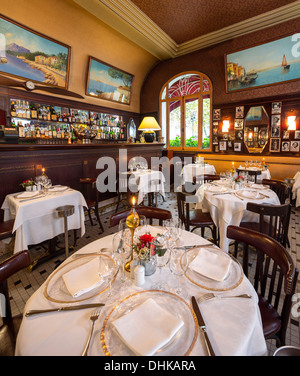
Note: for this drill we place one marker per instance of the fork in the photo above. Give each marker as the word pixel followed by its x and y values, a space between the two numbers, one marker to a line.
pixel 210 295
pixel 94 316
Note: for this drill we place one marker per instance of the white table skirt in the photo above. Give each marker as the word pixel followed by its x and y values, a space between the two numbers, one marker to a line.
pixel 36 220
pixel 190 171
pixel 65 333
pixel 228 210
pixel 296 189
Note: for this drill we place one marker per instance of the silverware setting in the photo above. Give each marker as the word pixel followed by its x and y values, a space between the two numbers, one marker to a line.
pixel 194 246
pixel 223 193
pixel 209 296
pixel 91 253
pixel 60 309
pixel 94 317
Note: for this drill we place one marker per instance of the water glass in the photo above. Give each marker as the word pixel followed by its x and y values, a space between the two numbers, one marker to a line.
pixel 121 251
pixel 160 262
pixel 178 265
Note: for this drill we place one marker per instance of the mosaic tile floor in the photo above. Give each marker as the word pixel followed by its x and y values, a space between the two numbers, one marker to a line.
pixel 23 284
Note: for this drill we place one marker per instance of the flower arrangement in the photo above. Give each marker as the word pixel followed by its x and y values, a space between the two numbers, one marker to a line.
pixel 147 246
pixel 239 179
pixel 27 183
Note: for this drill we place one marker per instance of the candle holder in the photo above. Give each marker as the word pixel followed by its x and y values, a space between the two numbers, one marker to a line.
pixel 132 222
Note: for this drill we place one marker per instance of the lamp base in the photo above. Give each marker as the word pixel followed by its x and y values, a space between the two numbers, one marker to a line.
pixel 149 136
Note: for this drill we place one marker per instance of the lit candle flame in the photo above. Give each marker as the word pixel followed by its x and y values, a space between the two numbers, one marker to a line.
pixel 133 202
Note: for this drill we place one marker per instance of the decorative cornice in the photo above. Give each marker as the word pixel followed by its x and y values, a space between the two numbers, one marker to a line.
pixel 129 20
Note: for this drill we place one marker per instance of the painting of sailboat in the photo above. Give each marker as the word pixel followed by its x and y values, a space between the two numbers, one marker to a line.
pixel 265 64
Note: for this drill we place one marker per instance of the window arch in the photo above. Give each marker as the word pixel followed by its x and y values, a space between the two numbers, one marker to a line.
pixel 186 112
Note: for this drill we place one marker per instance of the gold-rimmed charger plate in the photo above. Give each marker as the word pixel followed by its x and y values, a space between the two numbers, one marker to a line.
pixel 247 195
pixel 56 291
pixel 180 345
pixel 233 279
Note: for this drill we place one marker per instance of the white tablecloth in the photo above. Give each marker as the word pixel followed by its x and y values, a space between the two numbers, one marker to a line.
pixel 228 209
pixel 65 333
pixel 36 220
pixel 190 171
pixel 296 189
pixel 147 181
pixel 265 174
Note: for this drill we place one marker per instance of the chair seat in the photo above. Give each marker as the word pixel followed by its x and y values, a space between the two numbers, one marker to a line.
pixel 270 317
pixel 6 229
pixel 90 203
pixel 199 218
pixel 8 335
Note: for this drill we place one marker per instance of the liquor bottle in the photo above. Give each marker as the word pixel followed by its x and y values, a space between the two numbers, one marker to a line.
pixel 13 111
pixel 69 118
pixel 33 111
pixel 53 114
pixel 54 132
pixel 27 108
pixel 37 133
pixel 48 114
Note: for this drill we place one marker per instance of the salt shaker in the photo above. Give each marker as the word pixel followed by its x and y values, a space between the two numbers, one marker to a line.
pixel 139 275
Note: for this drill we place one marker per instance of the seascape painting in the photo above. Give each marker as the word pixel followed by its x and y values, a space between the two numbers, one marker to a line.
pixel 27 54
pixel 266 64
pixel 107 82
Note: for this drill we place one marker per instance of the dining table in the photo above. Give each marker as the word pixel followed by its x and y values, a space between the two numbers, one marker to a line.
pixel 191 170
pixel 228 206
pixel 296 189
pixel 140 320
pixel 35 216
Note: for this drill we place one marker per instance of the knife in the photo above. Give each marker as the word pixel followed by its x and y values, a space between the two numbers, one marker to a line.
pixel 202 326
pixel 194 246
pixel 59 309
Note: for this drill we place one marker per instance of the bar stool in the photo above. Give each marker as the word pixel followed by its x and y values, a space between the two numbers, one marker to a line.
pixel 65 211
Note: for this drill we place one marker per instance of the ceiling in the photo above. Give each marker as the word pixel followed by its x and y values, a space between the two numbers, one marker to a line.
pixel 171 28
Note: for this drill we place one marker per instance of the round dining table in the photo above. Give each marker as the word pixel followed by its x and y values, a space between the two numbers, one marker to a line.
pixel 233 324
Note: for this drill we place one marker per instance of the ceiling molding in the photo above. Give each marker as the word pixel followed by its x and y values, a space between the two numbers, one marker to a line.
pixel 129 20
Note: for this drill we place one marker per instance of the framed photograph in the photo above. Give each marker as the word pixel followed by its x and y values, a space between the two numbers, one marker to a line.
pixel 285 146
pixel 275 131
pixel 107 82
pixel 297 135
pixel 275 144
pixel 278 62
pixel 286 134
pixel 30 55
pixel 222 146
pixel 237 146
pixel 217 114
pixel 225 136
pixel 239 135
pixel 215 131
pixel 275 120
pixel 276 108
pixel 295 146
pixel 215 140
pixel 239 112
pixel 238 124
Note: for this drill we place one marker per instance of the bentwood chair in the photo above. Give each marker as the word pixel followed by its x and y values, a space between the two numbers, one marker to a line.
pixel 202 179
pixel 279 187
pixel 6 229
pixel 194 218
pixel 10 326
pixel 275 279
pixel 92 204
pixel 148 211
pixel 273 220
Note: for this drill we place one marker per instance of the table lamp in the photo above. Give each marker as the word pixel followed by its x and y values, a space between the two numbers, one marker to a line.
pixel 149 125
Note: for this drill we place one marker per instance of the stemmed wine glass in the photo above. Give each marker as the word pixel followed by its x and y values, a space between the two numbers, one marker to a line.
pixel 121 251
pixel 161 260
pixel 178 266
pixel 106 271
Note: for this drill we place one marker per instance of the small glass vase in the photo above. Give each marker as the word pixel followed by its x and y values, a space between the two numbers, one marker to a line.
pixel 149 267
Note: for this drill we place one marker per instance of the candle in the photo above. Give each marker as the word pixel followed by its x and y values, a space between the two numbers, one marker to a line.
pixel 132 222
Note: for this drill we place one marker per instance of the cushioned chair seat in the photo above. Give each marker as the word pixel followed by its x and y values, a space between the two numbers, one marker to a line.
pixel 6 229
pixel 270 317
pixel 197 218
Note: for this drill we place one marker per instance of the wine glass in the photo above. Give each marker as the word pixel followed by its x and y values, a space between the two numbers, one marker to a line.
pixel 106 271
pixel 160 261
pixel 121 251
pixel 178 266
pixel 47 185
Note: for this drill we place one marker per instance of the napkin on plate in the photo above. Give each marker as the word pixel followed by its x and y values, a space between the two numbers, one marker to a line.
pixel 28 194
pixel 215 188
pixel 85 277
pixel 249 194
pixel 58 188
pixel 147 328
pixel 212 265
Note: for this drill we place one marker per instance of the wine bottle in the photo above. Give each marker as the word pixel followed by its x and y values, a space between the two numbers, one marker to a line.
pixel 53 114
pixel 13 111
pixel 33 111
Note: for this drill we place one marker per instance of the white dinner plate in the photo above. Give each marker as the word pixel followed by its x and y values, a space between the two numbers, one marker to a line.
pixel 250 195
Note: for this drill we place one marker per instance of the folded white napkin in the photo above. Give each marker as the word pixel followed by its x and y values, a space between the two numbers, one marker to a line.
pixel 212 265
pixel 248 194
pixel 258 186
pixel 28 194
pixel 58 188
pixel 85 278
pixel 147 328
pixel 214 188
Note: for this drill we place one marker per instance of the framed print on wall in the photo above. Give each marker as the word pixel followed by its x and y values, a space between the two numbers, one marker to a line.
pixel 107 82
pixel 28 54
pixel 266 64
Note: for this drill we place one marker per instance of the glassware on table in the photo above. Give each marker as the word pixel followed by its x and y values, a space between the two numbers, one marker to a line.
pixel 178 265
pixel 47 185
pixel 222 175
pixel 246 164
pixel 106 272
pixel 161 261
pixel 121 245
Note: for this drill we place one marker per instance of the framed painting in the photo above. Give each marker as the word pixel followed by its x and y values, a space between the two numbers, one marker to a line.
pixel 28 54
pixel 266 64
pixel 107 82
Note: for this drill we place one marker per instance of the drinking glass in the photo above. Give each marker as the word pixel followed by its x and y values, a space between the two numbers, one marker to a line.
pixel 161 260
pixel 121 245
pixel 222 175
pixel 47 184
pixel 105 271
pixel 178 266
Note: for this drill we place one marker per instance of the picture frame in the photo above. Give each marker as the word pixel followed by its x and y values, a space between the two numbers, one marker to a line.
pixel 237 146
pixel 275 119
pixel 217 114
pixel 276 108
pixel 104 81
pixel 275 131
pixel 286 134
pixel 238 124
pixel 275 145
pixel 239 112
pixel 278 63
pixel 297 135
pixel 222 145
pixel 285 146
pixel 295 146
pixel 239 135
pixel 31 55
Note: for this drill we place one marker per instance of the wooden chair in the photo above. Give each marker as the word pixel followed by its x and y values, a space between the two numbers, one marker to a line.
pixel 10 327
pixel 273 220
pixel 250 173
pixel 92 204
pixel 6 229
pixel 279 187
pixel 274 280
pixel 206 178
pixel 148 211
pixel 194 218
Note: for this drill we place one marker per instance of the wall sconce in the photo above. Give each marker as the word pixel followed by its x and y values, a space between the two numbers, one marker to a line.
pixel 225 127
pixel 291 121
pixel 250 135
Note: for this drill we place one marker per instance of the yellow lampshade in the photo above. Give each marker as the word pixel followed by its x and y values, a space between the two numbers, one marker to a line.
pixel 291 120
pixel 149 123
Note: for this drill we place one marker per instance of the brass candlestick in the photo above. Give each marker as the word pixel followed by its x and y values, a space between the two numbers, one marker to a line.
pixel 132 222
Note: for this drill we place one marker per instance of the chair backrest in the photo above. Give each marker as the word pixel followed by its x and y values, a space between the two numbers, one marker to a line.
pixel 148 211
pixel 206 178
pixel 183 205
pixel 9 267
pixel 279 187
pixel 275 272
pixel 273 220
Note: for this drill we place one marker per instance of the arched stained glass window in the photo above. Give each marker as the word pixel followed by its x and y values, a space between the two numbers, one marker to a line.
pixel 185 112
